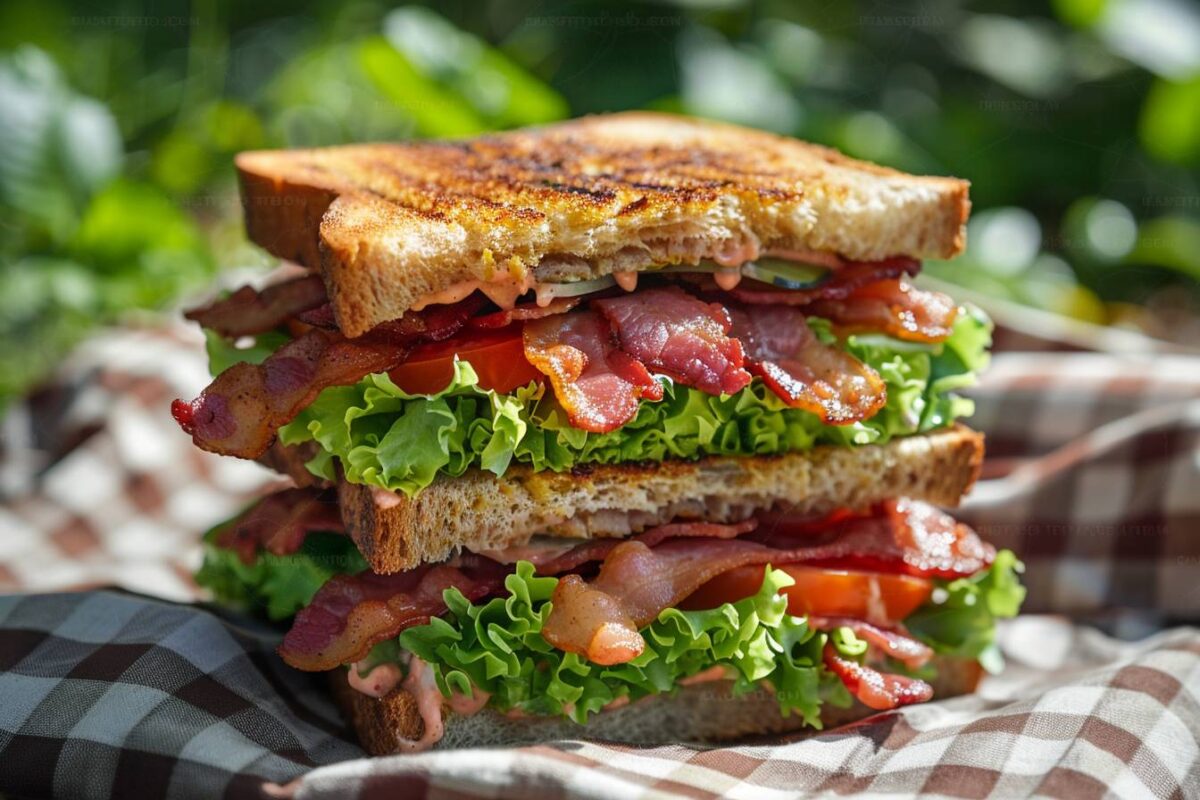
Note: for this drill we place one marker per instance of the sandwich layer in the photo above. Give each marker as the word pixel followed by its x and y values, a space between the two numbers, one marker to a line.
pixel 392 225
pixel 480 511
pixel 700 713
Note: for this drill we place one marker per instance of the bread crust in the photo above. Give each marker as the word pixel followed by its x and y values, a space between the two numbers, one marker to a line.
pixel 702 713
pixel 390 223
pixel 480 511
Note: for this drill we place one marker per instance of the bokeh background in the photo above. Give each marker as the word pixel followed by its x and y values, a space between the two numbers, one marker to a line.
pixel 1077 121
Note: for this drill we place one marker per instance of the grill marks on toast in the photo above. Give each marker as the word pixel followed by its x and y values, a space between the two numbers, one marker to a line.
pixel 600 194
pixel 519 184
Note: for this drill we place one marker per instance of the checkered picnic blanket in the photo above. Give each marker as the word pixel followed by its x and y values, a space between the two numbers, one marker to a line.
pixel 1093 477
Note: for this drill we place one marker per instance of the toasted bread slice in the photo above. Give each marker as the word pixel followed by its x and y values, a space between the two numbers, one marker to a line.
pixel 389 224
pixel 479 511
pixel 701 713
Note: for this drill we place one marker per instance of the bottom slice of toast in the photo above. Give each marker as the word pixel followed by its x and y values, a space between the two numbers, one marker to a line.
pixel 702 713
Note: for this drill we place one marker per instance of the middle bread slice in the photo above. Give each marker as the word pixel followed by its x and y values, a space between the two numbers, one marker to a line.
pixel 479 511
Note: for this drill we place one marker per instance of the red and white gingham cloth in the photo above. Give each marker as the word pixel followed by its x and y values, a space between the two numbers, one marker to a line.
pixel 1093 478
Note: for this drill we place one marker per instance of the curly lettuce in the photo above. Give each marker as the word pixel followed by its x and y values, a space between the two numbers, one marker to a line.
pixel 960 618
pixel 385 437
pixel 278 586
pixel 497 647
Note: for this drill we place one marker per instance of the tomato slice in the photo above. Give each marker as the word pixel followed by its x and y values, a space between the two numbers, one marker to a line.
pixel 498 357
pixel 823 592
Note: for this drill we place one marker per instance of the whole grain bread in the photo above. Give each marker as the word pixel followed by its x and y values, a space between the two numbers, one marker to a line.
pixel 480 511
pixel 390 223
pixel 701 713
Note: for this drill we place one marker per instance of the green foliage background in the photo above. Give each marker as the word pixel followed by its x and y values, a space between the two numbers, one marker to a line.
pixel 1078 124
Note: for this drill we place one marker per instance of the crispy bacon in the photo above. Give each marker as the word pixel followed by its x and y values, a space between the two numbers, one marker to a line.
pixel 893 307
pixel 352 613
pixel 894 644
pixel 802 370
pixel 841 283
pixel 598 549
pixel 248 311
pixel 900 535
pixel 678 335
pixel 874 689
pixel 896 535
pixel 279 522
pixel 597 384
pixel 637 579
pixel 593 623
pixel 243 408
pixel 523 313
pixel 319 317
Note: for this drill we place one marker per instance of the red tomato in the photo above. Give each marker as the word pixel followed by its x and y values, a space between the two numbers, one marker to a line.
pixel 498 357
pixel 823 592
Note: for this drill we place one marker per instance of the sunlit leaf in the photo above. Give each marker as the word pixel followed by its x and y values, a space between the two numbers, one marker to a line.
pixel 1170 123
pixel 1172 242
pixel 500 91
pixel 435 111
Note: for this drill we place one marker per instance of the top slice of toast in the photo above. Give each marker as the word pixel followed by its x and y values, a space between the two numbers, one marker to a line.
pixel 388 224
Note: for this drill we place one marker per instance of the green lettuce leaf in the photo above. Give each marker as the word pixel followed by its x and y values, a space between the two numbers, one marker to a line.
pixel 385 437
pixel 498 647
pixel 279 586
pixel 960 619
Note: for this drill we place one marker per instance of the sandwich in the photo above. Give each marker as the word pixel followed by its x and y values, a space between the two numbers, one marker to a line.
pixel 633 427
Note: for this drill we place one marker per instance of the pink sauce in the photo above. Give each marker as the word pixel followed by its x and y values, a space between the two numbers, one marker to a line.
pixel 466 706
pixel 503 290
pixel 626 280
pixel 736 252
pixel 727 280
pixel 420 684
pixel 379 682
pixel 715 673
pixel 384 499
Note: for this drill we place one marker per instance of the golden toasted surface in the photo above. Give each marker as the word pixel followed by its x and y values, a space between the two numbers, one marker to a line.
pixel 391 223
pixel 479 511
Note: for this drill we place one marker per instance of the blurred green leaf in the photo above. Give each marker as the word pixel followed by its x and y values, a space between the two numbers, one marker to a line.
pixel 233 126
pixel 435 112
pixel 1082 13
pixel 181 162
pixel 1170 122
pixel 1172 242
pixel 128 219
pixel 450 63
pixel 56 147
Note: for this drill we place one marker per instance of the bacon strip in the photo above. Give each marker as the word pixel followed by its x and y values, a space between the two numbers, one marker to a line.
pixel 638 578
pixel 279 522
pixel 598 549
pixel 902 535
pixel 245 406
pixel 677 335
pixel 597 385
pixel 641 581
pixel 803 371
pixel 523 313
pixel 248 311
pixel 878 690
pixel 893 307
pixel 840 284
pixel 905 649
pixel 350 614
